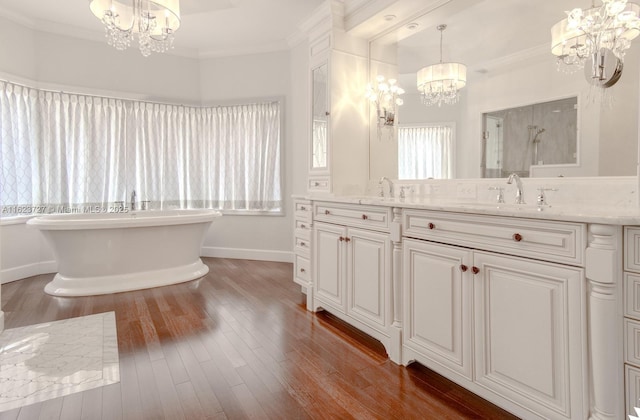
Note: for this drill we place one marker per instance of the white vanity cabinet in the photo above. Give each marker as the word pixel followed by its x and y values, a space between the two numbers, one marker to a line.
pixel 302 248
pixel 506 327
pixel 352 265
pixel 632 317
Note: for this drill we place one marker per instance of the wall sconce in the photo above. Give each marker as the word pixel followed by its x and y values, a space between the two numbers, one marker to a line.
pixel 386 97
pixel 598 37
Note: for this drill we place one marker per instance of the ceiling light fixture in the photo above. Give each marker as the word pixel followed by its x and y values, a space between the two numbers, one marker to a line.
pixel 583 34
pixel 441 82
pixel 154 21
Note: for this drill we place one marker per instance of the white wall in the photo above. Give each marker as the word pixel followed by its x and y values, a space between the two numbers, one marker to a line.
pixel 61 62
pixel 299 118
pixel 17 50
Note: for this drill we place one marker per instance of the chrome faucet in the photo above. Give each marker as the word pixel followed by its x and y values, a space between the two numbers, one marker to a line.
pixel 384 178
pixel 519 190
pixel 133 200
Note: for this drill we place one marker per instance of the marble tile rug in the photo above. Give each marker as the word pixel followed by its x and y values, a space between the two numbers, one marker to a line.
pixel 54 359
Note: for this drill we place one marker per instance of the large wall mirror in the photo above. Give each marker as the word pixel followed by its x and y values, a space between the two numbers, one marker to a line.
pixel 506 46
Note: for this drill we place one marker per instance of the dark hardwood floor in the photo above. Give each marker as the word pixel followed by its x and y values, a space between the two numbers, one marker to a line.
pixel 237 344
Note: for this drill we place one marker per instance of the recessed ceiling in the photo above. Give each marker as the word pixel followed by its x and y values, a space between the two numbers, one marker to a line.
pixel 208 27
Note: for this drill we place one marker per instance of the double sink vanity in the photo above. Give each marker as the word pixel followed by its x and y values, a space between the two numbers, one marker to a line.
pixel 535 308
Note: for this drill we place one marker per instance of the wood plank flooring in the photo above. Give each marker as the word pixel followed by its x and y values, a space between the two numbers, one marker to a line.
pixel 237 344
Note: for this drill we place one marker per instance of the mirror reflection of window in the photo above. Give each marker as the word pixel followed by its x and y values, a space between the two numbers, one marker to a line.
pixel 426 151
pixel 540 134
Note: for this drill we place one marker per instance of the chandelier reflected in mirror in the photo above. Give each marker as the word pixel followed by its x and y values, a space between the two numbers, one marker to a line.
pixel 154 22
pixel 441 83
pixel 585 35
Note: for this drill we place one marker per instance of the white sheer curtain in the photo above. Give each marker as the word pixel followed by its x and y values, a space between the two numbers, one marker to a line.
pixel 62 150
pixel 425 152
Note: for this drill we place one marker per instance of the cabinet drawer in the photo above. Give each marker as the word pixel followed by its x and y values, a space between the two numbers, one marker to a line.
pixel 369 217
pixel 549 241
pixel 319 184
pixel 632 387
pixel 632 295
pixel 632 342
pixel 303 246
pixel 303 228
pixel 632 249
pixel 302 210
pixel 302 270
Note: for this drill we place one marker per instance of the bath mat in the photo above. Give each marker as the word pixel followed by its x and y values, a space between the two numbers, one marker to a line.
pixel 54 359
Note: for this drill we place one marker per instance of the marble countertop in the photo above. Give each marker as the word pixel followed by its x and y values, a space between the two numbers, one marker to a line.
pixel 611 215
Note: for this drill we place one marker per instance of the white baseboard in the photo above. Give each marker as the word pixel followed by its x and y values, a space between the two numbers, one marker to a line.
pixel 24 271
pixel 247 254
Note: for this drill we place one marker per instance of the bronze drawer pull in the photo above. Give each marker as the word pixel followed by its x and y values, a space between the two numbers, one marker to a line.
pixel 365 217
pixel 303 208
pixel 517 237
pixel 475 270
pixel 327 212
pixel 302 270
pixel 463 268
pixel 432 226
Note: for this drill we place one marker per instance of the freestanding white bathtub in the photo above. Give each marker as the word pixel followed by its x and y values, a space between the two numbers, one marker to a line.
pixel 116 252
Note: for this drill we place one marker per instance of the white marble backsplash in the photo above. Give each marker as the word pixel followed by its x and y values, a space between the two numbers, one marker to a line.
pixel 591 192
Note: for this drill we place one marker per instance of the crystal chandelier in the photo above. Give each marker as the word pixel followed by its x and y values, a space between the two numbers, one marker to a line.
pixel 386 96
pixel 154 21
pixel 441 82
pixel 584 33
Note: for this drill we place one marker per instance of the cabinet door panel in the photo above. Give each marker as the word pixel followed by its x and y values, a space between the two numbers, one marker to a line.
pixel 369 276
pixel 528 331
pixel 329 265
pixel 437 301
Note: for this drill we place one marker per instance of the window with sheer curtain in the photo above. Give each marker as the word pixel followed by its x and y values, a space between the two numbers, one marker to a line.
pixel 62 151
pixel 425 151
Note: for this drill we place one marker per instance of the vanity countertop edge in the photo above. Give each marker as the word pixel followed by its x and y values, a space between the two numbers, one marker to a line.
pixel 608 215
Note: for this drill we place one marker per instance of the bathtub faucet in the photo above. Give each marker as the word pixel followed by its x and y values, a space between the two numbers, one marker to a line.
pixel 133 200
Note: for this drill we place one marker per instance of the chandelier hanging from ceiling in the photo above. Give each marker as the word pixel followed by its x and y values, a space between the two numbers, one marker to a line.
pixel 153 21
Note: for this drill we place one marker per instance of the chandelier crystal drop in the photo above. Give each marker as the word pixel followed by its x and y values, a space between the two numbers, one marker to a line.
pixel 154 22
pixel 441 83
pixel 612 25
